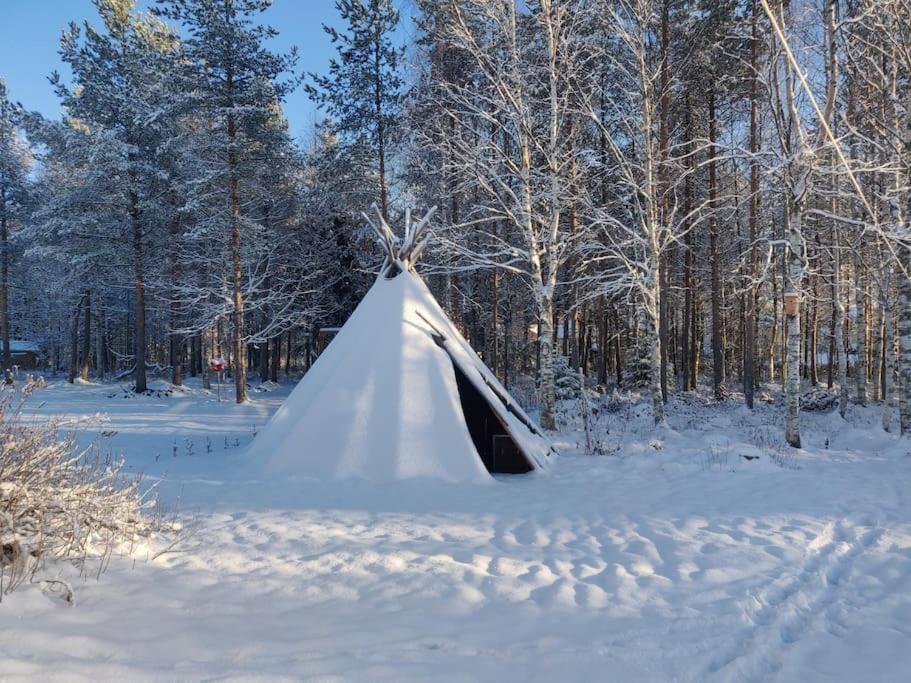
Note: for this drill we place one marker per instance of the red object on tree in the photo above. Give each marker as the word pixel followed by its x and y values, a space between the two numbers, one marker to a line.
pixel 217 364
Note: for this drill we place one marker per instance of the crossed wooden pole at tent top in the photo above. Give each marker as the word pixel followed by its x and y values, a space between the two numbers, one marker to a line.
pixel 401 254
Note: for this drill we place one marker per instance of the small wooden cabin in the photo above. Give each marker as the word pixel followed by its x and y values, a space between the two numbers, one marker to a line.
pixel 25 354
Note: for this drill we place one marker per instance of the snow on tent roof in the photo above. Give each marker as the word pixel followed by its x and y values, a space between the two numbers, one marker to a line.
pixel 21 346
pixel 400 394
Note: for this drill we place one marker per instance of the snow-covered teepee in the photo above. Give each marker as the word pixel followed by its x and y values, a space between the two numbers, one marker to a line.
pixel 399 393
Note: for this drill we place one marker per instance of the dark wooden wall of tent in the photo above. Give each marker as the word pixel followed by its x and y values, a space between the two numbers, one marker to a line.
pixel 499 452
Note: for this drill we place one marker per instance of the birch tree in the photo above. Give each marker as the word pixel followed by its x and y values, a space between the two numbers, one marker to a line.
pixel 513 147
pixel 797 147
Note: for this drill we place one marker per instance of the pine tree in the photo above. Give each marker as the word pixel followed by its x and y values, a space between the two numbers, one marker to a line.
pixel 361 93
pixel 14 166
pixel 119 94
pixel 231 81
pixel 76 233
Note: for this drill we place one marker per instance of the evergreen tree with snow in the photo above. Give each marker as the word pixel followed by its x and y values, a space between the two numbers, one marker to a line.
pixel 14 158
pixel 119 95
pixel 362 90
pixel 232 82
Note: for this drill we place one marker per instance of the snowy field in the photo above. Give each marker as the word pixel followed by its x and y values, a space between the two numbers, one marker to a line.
pixel 676 559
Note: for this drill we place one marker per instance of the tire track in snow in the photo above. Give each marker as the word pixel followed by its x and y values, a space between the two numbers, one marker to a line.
pixel 784 613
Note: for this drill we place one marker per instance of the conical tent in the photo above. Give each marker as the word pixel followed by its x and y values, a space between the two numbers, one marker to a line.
pixel 400 394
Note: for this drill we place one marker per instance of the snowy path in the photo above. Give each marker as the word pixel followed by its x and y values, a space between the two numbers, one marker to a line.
pixel 680 561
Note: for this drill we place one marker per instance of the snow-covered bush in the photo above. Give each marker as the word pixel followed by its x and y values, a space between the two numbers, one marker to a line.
pixel 616 402
pixel 524 389
pixel 60 502
pixel 566 379
pixel 818 400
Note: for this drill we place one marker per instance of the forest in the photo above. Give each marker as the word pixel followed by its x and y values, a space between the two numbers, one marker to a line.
pixel 567 340
pixel 655 194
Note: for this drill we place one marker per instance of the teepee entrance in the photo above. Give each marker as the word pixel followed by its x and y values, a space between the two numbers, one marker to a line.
pixel 496 448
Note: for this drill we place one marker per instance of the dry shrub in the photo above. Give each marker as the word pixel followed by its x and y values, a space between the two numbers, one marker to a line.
pixel 62 502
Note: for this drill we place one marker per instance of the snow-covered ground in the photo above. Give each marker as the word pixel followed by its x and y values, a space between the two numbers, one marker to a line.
pixel 676 559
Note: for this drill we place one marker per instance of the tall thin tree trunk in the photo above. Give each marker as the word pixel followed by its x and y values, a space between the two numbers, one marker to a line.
pixel 652 339
pixel 888 349
pixel 86 337
pixel 380 120
pixel 877 342
pixel 74 343
pixel 546 361
pixel 904 336
pixel 860 369
pixel 749 339
pixel 717 323
pixel 689 305
pixel 288 353
pixel 493 332
pixel 238 346
pixel 101 366
pixel 812 325
pixel 276 358
pixel 175 340
pixel 664 103
pixel 839 328
pixel 830 361
pixel 507 340
pixel 139 303
pixel 618 356
pixel 796 260
pixel 4 282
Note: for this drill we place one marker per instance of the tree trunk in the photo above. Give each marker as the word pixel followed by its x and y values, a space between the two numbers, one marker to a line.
pixel 689 315
pixel 888 349
pixel 175 341
pixel 507 340
pixel 493 335
pixel 86 337
pixel 4 282
pixel 139 304
pixel 839 329
pixel 618 357
pixel 174 358
pixel 812 325
pixel 877 341
pixel 264 357
pixel 833 321
pixel 276 358
pixel 100 345
pixel 749 339
pixel 288 353
pixel 546 360
pixel 904 331
pixel 74 343
pixel 652 339
pixel 379 121
pixel 860 369
pixel 796 260
pixel 237 331
pixel 717 348
pixel 664 102
pixel 206 380
pixel 308 353
pixel 773 335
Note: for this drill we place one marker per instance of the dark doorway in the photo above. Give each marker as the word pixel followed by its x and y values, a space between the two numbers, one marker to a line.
pixel 496 447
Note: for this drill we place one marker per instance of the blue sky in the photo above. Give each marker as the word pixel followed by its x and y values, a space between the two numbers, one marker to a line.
pixel 30 32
